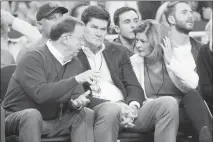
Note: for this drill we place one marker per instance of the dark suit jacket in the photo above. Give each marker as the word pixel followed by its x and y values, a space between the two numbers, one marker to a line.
pixel 121 71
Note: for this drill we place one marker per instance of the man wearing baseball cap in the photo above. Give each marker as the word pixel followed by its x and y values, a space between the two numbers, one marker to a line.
pixel 46 15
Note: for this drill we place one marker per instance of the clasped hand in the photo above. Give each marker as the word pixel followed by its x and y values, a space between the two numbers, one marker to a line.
pixel 128 115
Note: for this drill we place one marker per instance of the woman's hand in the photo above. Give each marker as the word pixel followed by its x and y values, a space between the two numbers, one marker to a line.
pixel 167 49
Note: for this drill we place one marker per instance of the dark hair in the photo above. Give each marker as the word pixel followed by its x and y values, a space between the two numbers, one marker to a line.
pixel 171 7
pixel 65 25
pixel 120 11
pixel 95 12
pixel 74 12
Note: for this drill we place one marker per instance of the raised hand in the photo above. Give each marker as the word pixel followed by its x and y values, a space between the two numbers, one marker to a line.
pixel 89 76
pixel 81 101
pixel 167 49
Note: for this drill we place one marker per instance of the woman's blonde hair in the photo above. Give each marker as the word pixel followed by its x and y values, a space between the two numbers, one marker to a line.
pixel 155 33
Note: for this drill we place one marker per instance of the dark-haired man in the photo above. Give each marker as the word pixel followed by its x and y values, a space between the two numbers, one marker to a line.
pixel 78 10
pixel 184 52
pixel 125 20
pixel 117 98
pixel 41 97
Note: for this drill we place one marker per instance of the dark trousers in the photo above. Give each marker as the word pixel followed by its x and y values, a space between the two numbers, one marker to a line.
pixel 196 110
pixel 29 125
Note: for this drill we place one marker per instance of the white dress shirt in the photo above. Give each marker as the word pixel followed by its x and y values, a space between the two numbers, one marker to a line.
pixel 57 54
pixel 97 62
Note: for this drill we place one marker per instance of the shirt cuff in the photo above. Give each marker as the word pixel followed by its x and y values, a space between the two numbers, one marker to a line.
pixel 134 103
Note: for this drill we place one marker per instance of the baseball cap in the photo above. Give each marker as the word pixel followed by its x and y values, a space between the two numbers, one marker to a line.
pixel 48 8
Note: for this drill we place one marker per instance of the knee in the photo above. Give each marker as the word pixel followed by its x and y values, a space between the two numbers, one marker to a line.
pixel 110 112
pixel 31 115
pixel 170 104
pixel 89 114
pixel 193 94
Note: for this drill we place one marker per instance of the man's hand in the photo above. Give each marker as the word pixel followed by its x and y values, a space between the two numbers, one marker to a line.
pixel 127 122
pixel 167 49
pixel 127 115
pixel 81 101
pixel 89 76
pixel 7 17
pixel 133 112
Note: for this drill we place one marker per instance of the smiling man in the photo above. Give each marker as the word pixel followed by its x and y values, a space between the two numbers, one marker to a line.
pixel 126 19
pixel 117 97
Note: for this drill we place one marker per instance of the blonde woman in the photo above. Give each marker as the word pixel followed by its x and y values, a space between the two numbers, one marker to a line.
pixel 204 67
pixel 160 74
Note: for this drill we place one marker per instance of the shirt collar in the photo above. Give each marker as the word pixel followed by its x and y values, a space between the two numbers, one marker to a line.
pixel 57 54
pixel 88 51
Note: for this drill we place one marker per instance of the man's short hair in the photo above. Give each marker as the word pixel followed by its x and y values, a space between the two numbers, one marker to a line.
pixel 65 25
pixel 74 11
pixel 95 12
pixel 171 7
pixel 120 11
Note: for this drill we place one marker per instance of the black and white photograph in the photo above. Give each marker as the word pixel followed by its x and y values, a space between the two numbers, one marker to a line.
pixel 106 71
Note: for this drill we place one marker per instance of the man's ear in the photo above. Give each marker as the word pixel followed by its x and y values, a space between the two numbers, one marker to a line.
pixel 64 40
pixel 117 29
pixel 171 20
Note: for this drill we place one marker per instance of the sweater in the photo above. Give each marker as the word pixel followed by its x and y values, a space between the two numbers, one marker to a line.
pixel 41 82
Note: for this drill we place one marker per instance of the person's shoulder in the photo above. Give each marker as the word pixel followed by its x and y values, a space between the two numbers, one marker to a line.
pixel 204 49
pixel 30 53
pixel 195 41
pixel 114 46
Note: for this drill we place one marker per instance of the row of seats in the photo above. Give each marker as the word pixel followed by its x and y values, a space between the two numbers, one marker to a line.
pixel 125 136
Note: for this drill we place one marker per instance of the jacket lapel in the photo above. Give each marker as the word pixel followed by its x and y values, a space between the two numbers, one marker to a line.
pixel 82 57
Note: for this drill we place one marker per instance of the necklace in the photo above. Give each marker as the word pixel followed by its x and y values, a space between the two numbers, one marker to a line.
pixel 151 81
pixel 95 87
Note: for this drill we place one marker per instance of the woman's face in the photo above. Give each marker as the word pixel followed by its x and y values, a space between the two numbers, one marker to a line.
pixel 143 45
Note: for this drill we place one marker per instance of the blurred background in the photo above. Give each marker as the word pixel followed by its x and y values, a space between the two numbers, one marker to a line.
pixel 26 11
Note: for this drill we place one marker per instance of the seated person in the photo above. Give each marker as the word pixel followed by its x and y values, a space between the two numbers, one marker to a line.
pixel 204 68
pixel 161 74
pixel 38 100
pixel 117 97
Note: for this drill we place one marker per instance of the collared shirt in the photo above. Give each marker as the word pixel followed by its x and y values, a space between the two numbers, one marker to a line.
pixel 57 54
pixel 98 62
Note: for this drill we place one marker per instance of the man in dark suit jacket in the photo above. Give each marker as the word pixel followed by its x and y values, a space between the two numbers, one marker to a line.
pixel 117 98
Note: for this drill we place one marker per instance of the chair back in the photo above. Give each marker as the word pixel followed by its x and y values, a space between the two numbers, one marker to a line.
pixel 6 73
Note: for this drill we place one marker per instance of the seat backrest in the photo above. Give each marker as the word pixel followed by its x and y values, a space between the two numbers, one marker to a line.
pixel 6 73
